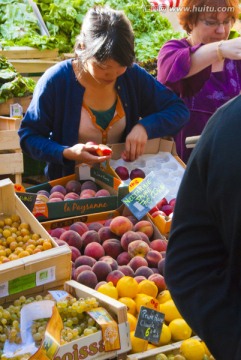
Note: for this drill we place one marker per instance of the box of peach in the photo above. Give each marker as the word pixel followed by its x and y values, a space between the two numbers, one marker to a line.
pixel 159 162
pixel 69 322
pixel 30 259
pixel 90 190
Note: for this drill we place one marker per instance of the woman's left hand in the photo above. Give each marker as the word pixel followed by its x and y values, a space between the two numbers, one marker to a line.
pixel 135 143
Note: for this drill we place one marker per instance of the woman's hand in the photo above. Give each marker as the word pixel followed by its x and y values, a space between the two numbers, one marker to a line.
pixel 135 143
pixel 84 153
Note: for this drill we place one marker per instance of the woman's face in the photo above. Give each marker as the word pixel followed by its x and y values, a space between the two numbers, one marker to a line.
pixel 106 72
pixel 210 28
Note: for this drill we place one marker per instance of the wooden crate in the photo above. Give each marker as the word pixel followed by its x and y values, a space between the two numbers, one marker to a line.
pixel 36 272
pixel 11 156
pixel 29 61
pixel 23 101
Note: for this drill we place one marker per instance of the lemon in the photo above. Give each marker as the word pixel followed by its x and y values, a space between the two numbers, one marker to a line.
pixel 180 330
pixel 142 300
pixel 109 290
pixel 207 352
pixel 137 344
pixel 192 349
pixel 170 310
pixel 130 303
pixel 164 296
pixel 151 346
pixel 127 286
pixel 148 287
pixel 161 357
pixel 165 336
pixel 132 320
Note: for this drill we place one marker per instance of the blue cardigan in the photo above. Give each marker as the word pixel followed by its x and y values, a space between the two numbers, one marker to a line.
pixel 51 122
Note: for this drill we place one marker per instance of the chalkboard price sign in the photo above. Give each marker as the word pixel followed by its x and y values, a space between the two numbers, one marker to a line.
pixel 149 325
pixel 28 199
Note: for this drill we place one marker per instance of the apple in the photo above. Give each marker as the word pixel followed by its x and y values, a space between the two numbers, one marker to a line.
pixel 162 202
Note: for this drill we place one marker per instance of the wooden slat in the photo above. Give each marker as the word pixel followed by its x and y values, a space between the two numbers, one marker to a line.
pixel 11 163
pixel 9 140
pixel 32 66
pixel 26 52
pixel 23 101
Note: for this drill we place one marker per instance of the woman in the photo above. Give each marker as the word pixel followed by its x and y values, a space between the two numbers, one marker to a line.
pixel 204 69
pixel 99 96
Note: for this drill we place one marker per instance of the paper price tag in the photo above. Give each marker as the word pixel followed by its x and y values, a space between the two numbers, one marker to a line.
pixel 145 196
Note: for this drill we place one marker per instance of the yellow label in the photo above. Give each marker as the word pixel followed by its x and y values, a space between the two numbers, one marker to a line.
pixel 109 328
pixel 134 183
pixel 51 341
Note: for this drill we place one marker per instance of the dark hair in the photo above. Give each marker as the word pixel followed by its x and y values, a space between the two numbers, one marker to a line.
pixel 191 10
pixel 106 34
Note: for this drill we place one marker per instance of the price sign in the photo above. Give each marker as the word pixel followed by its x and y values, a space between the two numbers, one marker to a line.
pixel 145 196
pixel 28 199
pixel 149 324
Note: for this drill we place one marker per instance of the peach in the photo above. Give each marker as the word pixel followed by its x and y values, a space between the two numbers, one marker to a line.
pixel 143 271
pixel 90 236
pixel 102 192
pixel 103 150
pixel 72 238
pixel 137 173
pixel 107 222
pixel 74 253
pixel 113 263
pixel 57 232
pixel 114 276
pixel 153 257
pixel 120 224
pixel 139 278
pixel 89 184
pixel 126 270
pixel 123 258
pixel 56 194
pixel 122 172
pixel 105 233
pixel 137 261
pixel 112 247
pixel 101 270
pixel 95 226
pixel 71 196
pixel 127 238
pixel 163 253
pixel 143 237
pixel 55 200
pixel 73 186
pixel 159 244
pixel 159 281
pixel 133 219
pixel 144 226
pixel 138 247
pixel 80 269
pixel 58 188
pixel 88 192
pixel 87 278
pixel 80 227
pixel 43 192
pixel 84 260
pixel 60 242
pixel 94 250
pixel 161 266
pixel 42 198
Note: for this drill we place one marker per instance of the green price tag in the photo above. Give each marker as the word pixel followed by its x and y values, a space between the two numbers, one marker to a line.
pixel 22 283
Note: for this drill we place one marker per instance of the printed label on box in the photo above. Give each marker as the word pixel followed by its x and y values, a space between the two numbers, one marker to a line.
pixel 145 196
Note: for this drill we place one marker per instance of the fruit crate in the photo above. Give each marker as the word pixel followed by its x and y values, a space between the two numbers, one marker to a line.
pixel 93 346
pixel 33 273
pixel 11 156
pixel 57 210
pixel 29 61
pixel 23 101
pixel 168 350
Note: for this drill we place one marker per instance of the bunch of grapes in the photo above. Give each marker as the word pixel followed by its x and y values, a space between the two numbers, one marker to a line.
pixel 77 323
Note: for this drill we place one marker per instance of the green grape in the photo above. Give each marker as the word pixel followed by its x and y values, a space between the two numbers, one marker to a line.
pixel 37 336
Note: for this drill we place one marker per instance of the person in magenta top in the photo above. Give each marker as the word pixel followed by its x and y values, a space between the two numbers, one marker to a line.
pixel 204 68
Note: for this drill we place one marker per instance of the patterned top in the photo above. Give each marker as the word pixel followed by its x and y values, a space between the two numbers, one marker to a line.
pixel 203 93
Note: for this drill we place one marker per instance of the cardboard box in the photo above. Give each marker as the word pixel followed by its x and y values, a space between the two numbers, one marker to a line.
pixel 33 273
pixel 11 156
pixel 92 346
pixel 168 167
pixel 69 208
